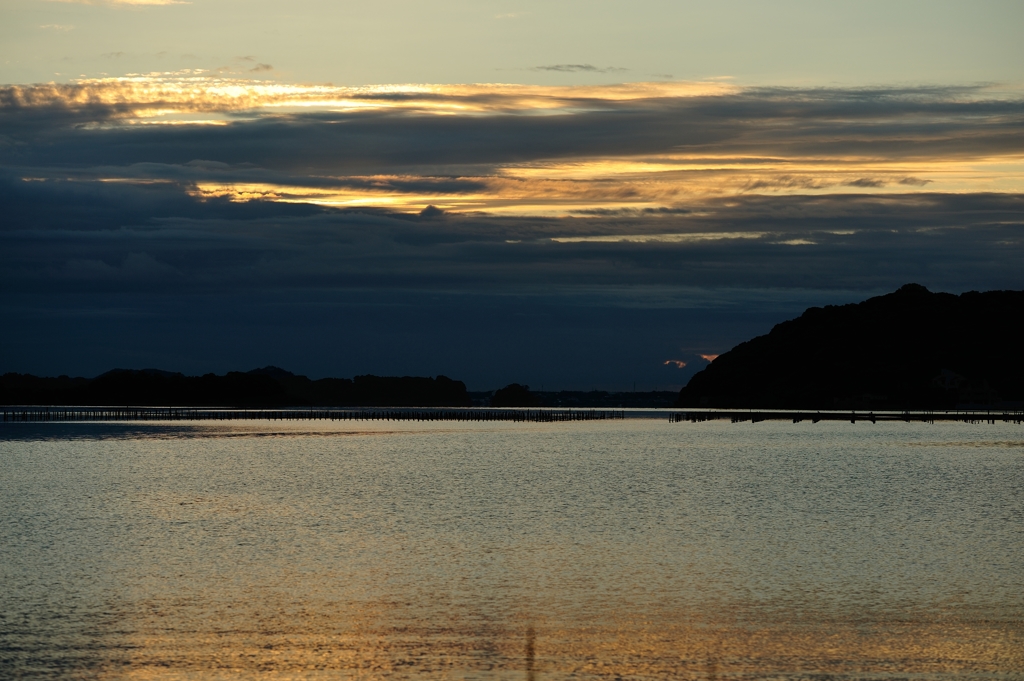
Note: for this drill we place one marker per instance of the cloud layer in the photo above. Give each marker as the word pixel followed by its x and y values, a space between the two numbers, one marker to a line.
pixel 635 205
pixel 515 150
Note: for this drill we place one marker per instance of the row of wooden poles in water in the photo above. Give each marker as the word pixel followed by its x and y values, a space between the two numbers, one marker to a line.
pixel 755 416
pixel 20 414
pixel 25 414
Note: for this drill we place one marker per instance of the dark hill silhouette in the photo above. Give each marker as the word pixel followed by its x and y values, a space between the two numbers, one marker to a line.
pixel 911 349
pixel 267 387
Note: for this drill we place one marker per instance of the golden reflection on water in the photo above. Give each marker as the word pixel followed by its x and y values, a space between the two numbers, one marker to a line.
pixel 182 639
pixel 525 551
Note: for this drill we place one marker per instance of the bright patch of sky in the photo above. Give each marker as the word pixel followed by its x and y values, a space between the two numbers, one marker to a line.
pixel 794 42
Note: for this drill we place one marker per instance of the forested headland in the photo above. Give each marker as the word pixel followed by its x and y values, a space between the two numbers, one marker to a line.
pixel 910 349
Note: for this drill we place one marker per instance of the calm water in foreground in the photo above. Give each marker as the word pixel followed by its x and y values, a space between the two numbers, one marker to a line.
pixel 630 548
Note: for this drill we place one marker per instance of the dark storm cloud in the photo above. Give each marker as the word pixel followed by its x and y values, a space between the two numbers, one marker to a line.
pixel 360 143
pixel 76 206
pixel 153 209
pixel 69 235
pixel 151 276
pixel 45 127
pixel 109 240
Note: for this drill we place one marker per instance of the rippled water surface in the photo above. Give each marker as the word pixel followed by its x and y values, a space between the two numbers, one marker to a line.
pixel 633 548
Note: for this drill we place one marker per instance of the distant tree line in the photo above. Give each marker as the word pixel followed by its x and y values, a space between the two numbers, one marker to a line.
pixel 268 387
pixel 517 395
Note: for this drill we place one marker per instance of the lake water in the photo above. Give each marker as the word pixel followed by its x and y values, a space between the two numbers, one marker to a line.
pixel 633 549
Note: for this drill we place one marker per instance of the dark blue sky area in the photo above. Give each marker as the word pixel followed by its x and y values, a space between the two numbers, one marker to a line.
pixel 115 252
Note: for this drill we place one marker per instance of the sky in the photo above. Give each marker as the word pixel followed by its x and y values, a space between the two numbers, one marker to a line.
pixel 570 195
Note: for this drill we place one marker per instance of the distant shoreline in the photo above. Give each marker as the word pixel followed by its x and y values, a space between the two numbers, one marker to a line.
pixel 1015 415
pixel 111 414
pixel 274 388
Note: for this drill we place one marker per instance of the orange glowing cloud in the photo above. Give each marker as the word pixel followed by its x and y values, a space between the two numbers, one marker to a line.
pixel 678 363
pixel 169 94
pixel 710 358
pixel 673 178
